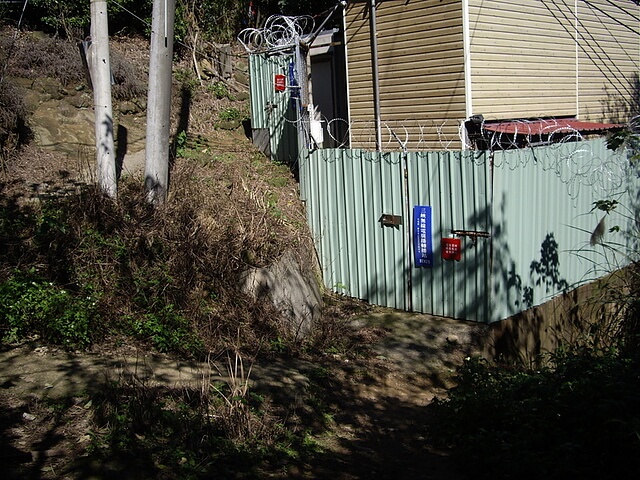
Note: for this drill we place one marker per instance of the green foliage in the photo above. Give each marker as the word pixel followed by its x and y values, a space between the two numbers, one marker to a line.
pixel 168 331
pixel 71 18
pixel 130 16
pixel 187 78
pixel 181 143
pixel 606 206
pixel 31 306
pixel 296 7
pixel 187 433
pixel 230 114
pixel 193 147
pixel 625 138
pixel 579 418
pixel 219 20
pixel 220 90
pixel 62 17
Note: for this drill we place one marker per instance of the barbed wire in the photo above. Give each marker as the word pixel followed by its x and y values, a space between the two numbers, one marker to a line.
pixel 279 32
pixel 573 160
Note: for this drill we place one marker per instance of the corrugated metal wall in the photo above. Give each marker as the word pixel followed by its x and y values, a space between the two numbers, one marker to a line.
pixel 543 219
pixel 536 205
pixel 273 113
pixel 348 191
pixel 457 186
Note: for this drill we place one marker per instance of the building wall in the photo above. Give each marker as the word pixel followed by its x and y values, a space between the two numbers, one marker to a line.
pixel 545 58
pixel 421 73
pixel 608 59
pixel 523 58
pixel 536 58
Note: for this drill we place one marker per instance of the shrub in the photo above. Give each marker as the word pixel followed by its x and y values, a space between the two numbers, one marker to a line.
pixel 168 331
pixel 62 17
pixel 219 89
pixel 230 114
pixel 579 418
pixel 38 56
pixel 127 85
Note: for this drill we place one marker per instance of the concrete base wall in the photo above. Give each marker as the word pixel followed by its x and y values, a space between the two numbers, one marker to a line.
pixel 587 316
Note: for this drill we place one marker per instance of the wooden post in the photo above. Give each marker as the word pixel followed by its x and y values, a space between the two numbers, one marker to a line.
pixel 159 101
pixel 100 67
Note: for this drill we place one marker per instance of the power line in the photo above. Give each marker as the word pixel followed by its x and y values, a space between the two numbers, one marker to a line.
pixel 596 7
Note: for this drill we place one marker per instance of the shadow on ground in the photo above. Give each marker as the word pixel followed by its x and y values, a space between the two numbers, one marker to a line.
pixel 365 414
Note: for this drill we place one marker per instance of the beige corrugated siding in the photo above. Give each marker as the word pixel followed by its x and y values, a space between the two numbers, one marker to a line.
pixel 522 58
pixel 532 58
pixel 421 71
pixel 609 59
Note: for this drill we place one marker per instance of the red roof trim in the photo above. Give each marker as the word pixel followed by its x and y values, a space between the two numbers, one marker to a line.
pixel 549 127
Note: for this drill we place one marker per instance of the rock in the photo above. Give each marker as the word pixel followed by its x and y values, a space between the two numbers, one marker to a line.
pixel 229 124
pixel 50 87
pixel 206 68
pixel 128 108
pixel 294 292
pixel 82 100
pixel 241 77
pixel 242 96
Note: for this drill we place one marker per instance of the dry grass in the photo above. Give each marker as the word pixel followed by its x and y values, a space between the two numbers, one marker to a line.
pixel 37 56
pixel 14 132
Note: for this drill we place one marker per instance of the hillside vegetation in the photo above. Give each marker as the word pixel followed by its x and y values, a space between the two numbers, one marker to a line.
pixel 169 276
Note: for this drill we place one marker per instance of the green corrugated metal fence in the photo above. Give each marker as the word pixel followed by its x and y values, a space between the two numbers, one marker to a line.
pixel 273 113
pixel 534 206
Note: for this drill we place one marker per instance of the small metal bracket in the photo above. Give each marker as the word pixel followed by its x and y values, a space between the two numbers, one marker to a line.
pixel 388 220
pixel 472 234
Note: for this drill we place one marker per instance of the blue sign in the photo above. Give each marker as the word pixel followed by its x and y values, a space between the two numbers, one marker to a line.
pixel 422 239
pixel 293 82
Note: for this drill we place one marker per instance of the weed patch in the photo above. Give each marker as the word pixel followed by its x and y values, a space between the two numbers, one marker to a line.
pixel 32 306
pixel 219 430
pixel 14 129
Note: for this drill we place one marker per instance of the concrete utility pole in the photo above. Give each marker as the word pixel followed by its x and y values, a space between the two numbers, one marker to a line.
pixel 156 173
pixel 100 68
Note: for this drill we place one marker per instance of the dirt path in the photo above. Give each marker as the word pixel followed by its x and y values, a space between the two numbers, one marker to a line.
pixel 378 428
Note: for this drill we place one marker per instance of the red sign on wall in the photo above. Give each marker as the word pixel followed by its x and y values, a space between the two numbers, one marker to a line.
pixel 280 83
pixel 451 249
